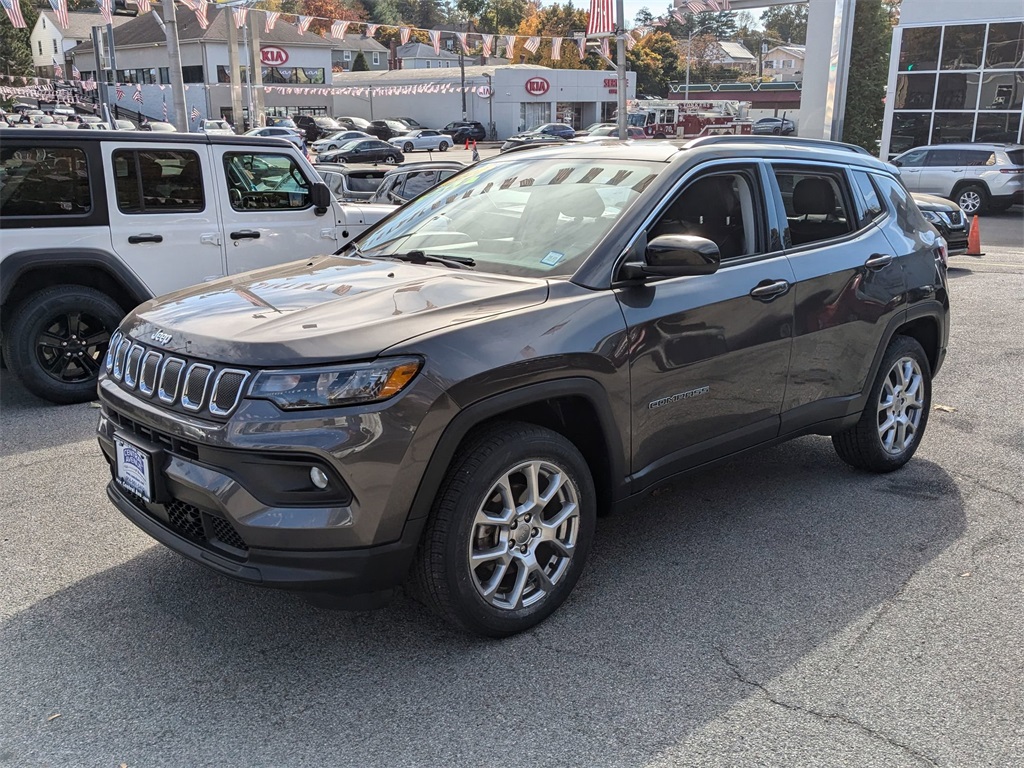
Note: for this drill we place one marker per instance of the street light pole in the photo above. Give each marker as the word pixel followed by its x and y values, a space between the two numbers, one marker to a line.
pixel 170 27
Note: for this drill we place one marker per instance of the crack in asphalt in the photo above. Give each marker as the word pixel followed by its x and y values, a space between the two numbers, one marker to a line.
pixel 828 717
pixel 988 487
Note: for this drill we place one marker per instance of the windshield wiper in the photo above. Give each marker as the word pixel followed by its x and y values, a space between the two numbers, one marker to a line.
pixel 419 257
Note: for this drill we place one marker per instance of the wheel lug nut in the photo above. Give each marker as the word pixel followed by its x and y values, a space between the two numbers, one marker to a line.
pixel 524 550
pixel 528 518
pixel 63 343
pixel 535 532
pixel 514 525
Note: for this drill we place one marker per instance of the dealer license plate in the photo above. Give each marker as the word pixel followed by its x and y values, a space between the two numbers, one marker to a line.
pixel 134 469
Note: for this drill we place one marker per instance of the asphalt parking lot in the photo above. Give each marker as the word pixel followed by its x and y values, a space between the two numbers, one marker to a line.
pixel 779 610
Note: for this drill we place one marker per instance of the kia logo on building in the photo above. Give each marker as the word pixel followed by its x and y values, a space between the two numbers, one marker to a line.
pixel 273 56
pixel 537 86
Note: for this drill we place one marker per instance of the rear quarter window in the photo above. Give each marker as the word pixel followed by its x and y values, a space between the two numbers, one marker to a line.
pixel 1016 156
pixel 44 181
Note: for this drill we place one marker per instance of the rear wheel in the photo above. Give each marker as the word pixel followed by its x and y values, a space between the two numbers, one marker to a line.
pixel 443 146
pixel 894 419
pixel 407 147
pixel 57 339
pixel 973 199
pixel 390 160
pixel 509 532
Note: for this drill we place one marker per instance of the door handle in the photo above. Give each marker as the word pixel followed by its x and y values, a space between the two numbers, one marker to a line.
pixel 878 260
pixel 245 234
pixel 210 238
pixel 766 291
pixel 145 238
pixel 329 233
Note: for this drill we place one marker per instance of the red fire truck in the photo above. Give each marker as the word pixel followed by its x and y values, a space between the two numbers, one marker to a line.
pixel 675 119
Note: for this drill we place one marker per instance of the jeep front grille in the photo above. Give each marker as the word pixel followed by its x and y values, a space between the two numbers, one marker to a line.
pixel 185 385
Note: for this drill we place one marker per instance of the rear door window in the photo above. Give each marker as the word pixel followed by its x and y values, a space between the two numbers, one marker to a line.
pixel 44 181
pixel 817 203
pixel 942 158
pixel 158 181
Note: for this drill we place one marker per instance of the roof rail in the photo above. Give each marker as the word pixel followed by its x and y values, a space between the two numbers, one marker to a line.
pixel 702 141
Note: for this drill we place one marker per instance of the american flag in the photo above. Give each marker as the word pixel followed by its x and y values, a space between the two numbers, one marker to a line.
pixel 338 29
pixel 14 13
pixel 463 41
pixel 106 10
pixel 271 20
pixel 137 96
pixel 58 70
pixel 404 33
pixel 435 40
pixel 678 15
pixel 697 6
pixel 199 8
pixel 510 46
pixel 120 93
pixel 581 45
pixel 713 5
pixel 532 45
pixel 60 8
pixel 605 48
pixel 144 6
pixel 195 113
pixel 165 109
pixel 602 18
pixel 556 48
pixel 486 41
pixel 302 23
pixel 371 29
pixel 240 13
pixel 630 41
pixel 76 73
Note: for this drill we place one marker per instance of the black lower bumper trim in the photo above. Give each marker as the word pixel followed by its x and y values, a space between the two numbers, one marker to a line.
pixel 337 572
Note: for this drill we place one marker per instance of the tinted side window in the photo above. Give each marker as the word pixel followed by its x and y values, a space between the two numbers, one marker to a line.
pixel 913 159
pixel 50 181
pixel 158 181
pixel 977 157
pixel 816 204
pixel 900 204
pixel 265 181
pixel 941 157
pixel 871 205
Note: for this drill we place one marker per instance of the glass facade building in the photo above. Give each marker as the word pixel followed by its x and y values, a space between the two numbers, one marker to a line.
pixel 955 82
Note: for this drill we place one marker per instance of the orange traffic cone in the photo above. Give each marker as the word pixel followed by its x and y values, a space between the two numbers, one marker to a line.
pixel 467 143
pixel 974 238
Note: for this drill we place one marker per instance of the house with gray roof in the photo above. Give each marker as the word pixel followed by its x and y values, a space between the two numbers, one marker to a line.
pixel 50 42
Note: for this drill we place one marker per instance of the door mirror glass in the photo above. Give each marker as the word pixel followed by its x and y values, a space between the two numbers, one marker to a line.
pixel 321 196
pixel 680 255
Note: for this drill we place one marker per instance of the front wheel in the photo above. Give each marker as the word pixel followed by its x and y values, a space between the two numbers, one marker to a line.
pixel 391 160
pixel 509 532
pixel 57 340
pixel 407 147
pixel 893 422
pixel 973 199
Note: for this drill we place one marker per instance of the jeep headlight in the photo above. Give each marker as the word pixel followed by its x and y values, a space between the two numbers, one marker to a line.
pixel 335 385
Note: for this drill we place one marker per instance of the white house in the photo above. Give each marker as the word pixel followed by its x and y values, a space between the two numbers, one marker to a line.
pixel 735 55
pixel 50 42
pixel 785 63
pixel 420 56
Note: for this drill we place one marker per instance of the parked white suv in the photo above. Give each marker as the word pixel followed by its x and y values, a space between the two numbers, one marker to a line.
pixel 977 177
pixel 96 224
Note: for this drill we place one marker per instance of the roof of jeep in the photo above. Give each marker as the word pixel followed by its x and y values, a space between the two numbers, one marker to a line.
pixel 74 137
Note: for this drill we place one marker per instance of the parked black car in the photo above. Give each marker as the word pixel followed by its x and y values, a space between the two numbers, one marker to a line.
pixel 408 122
pixel 402 184
pixel 386 129
pixel 450 401
pixel 526 140
pixel 315 127
pixel 461 130
pixel 947 218
pixel 365 151
pixel 777 126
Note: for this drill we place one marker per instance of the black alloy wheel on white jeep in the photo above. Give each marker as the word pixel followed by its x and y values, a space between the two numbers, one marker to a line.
pixel 57 339
pixel 509 532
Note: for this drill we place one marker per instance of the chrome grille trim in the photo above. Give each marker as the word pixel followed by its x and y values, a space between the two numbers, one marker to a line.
pixel 108 361
pixel 132 365
pixel 119 356
pixel 147 387
pixel 187 402
pixel 169 395
pixel 214 408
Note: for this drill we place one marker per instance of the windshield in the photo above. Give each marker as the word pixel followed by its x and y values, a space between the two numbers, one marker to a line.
pixel 533 217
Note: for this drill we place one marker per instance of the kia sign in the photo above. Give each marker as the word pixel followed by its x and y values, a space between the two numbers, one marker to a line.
pixel 272 56
pixel 483 91
pixel 537 86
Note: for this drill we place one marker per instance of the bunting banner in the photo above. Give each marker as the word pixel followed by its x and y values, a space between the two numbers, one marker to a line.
pixel 13 9
pixel 144 5
pixel 532 45
pixel 240 13
pixel 106 10
pixel 271 20
pixel 602 18
pixel 302 23
pixel 486 41
pixel 435 40
pixel 404 33
pixel 371 29
pixel 556 49
pixel 338 29
pixel 510 46
pixel 463 39
pixel 60 10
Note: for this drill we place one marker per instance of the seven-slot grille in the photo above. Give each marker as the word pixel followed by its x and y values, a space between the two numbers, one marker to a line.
pixel 174 381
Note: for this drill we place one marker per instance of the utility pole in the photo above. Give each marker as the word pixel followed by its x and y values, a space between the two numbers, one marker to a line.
pixel 101 74
pixel 169 24
pixel 620 69
pixel 233 67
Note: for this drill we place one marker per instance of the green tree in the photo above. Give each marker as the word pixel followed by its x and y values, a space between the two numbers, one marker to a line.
pixel 15 48
pixel 869 58
pixel 359 63
pixel 643 18
pixel 656 61
pixel 788 22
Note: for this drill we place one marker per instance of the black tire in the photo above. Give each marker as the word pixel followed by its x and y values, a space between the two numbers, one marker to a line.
pixel 861 445
pixel 973 199
pixel 777 131
pixel 659 136
pixel 442 577
pixel 41 329
pixel 407 147
pixel 443 146
pixel 391 160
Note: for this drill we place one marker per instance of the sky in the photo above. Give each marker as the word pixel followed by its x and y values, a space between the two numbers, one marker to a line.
pixel 654 6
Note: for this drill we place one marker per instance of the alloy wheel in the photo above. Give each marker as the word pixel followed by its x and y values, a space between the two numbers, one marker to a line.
pixel 900 405
pixel 524 535
pixel 70 346
pixel 969 201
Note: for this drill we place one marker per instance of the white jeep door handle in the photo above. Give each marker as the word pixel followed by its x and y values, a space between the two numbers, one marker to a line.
pixel 210 238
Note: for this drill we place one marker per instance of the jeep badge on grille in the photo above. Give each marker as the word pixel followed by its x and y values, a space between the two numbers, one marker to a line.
pixel 161 337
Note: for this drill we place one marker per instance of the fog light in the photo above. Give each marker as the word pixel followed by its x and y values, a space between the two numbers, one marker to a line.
pixel 318 478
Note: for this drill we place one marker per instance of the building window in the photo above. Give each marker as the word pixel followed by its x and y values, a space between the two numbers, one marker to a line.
pixel 40 48
pixel 769 64
pixel 165 75
pixel 192 74
pixel 346 56
pixel 54 46
pixel 376 58
pixel 787 63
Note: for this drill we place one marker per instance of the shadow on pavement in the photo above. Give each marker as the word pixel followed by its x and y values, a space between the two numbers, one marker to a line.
pixel 157 661
pixel 29 424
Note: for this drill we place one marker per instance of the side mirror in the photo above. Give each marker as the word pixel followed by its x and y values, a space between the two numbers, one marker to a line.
pixel 897 163
pixel 675 256
pixel 321 197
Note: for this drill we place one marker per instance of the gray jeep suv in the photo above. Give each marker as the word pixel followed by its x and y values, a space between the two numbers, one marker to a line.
pixel 451 401
pixel 977 177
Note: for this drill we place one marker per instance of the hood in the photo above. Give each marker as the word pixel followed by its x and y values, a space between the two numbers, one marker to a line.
pixel 327 309
pixel 933 202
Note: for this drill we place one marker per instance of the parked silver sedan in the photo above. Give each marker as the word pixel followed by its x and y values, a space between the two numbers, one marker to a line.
pixel 426 138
